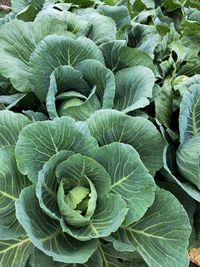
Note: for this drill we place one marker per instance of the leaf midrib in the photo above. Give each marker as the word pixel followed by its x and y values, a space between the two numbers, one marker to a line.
pixel 195 130
pixel 15 245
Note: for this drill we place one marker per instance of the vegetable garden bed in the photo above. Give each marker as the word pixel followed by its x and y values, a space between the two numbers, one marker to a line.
pixel 99 133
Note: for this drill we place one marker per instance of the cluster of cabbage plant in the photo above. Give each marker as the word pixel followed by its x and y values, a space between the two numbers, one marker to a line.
pixel 99 133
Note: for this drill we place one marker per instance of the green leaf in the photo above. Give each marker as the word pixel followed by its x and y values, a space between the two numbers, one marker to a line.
pixel 84 110
pixel 90 72
pixel 192 67
pixel 35 116
pixel 109 215
pixel 77 166
pixel 171 5
pixel 98 75
pixel 18 40
pixel 180 50
pixel 10 16
pixel 189 119
pixel 129 178
pixel 103 28
pixel 164 103
pixel 11 100
pixel 190 189
pixel 19 34
pixel 182 83
pixel 188 160
pixel 188 203
pixel 82 3
pixel 133 88
pixel 47 185
pixel 28 13
pixel 55 51
pixel 117 56
pixel 73 23
pixel 76 214
pixel 161 236
pixel 11 125
pixel 11 184
pixel 46 233
pixel 109 126
pixel 40 259
pixel 108 255
pixel 15 252
pixel 76 195
pixel 18 5
pixel 113 258
pixel 144 37
pixel 197 224
pixel 119 14
pixel 41 140
pixel 120 241
pixel 64 79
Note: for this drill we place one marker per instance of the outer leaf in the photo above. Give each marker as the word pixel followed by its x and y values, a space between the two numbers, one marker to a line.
pixel 41 140
pixel 130 179
pixel 103 28
pixel 55 51
pixel 188 160
pixel 11 184
pixel 117 56
pixel 192 67
pixel 144 37
pixel 183 83
pixel 35 116
pixel 190 189
pixel 15 252
pixel 109 215
pixel 120 241
pixel 82 3
pixel 11 125
pixel 39 259
pixel 28 13
pixel 10 16
pixel 46 233
pixel 133 87
pixel 164 103
pixel 73 23
pixel 189 120
pixel 18 41
pixel 108 256
pixel 119 14
pixel 114 258
pixel 18 5
pixel 171 5
pixel 11 100
pixel 161 236
pixel 109 126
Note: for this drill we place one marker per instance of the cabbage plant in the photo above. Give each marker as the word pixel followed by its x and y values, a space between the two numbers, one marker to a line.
pixel 80 197
pixel 99 133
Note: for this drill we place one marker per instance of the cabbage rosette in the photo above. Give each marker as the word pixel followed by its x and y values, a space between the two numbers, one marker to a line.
pixel 75 191
pixel 84 193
